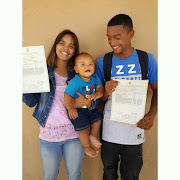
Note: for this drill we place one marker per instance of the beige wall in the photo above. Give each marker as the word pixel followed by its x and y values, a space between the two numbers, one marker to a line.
pixel 43 20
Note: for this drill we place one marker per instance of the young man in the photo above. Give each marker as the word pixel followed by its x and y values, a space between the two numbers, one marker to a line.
pixel 120 141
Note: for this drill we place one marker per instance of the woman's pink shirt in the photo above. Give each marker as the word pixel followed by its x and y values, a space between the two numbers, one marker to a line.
pixel 58 126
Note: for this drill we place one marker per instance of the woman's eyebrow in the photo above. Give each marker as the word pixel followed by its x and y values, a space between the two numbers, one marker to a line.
pixel 65 42
pixel 71 44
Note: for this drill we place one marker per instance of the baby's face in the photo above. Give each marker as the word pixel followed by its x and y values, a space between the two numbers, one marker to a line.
pixel 84 66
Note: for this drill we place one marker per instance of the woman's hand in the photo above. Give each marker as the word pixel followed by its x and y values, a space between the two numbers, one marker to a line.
pixel 81 101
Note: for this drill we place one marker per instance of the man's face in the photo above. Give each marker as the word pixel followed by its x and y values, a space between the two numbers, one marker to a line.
pixel 119 39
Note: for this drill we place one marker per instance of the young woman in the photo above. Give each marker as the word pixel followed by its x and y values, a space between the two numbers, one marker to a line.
pixel 57 136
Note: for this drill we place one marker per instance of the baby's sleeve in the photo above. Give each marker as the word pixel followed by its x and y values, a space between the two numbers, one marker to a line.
pixel 72 88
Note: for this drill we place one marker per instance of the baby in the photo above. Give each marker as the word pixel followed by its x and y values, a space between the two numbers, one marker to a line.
pixel 86 122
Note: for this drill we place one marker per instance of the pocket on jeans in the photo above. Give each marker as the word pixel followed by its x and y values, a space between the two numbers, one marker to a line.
pixel 139 152
pixel 139 159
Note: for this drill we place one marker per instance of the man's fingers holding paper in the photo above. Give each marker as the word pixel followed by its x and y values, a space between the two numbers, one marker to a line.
pixel 110 86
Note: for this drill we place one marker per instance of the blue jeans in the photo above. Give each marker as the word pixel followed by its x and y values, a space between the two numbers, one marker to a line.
pixel 51 154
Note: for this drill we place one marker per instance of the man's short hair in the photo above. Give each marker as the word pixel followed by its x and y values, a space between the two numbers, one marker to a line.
pixel 121 19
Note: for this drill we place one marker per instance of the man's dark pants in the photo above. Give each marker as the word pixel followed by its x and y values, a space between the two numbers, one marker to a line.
pixel 130 157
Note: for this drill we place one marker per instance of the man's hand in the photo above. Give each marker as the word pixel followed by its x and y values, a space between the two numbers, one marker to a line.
pixel 73 113
pixel 109 88
pixel 146 122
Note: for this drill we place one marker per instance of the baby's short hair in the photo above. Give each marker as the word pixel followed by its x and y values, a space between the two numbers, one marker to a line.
pixel 80 54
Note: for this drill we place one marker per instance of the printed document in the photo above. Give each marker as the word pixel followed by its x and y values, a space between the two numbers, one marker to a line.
pixel 35 77
pixel 129 100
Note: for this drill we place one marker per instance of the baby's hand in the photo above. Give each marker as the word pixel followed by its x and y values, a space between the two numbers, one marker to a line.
pixel 93 96
pixel 73 113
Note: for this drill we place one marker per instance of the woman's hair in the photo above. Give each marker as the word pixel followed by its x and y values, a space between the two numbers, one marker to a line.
pixel 52 57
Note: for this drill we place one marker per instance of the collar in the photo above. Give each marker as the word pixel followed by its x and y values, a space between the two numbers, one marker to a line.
pixel 50 71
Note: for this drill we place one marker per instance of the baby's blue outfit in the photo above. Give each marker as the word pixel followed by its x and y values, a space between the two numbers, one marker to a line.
pixel 85 116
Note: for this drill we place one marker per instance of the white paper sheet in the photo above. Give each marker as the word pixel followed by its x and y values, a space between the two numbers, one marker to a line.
pixel 129 100
pixel 34 74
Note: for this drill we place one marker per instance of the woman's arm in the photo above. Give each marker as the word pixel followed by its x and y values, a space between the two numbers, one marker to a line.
pixel 31 99
pixel 81 101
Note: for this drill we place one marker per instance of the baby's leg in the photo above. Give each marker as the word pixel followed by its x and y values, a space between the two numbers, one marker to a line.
pixel 93 134
pixel 84 139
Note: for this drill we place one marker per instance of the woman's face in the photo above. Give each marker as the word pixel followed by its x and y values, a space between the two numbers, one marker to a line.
pixel 65 48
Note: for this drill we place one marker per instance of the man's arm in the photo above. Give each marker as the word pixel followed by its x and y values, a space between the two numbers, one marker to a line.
pixel 147 122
